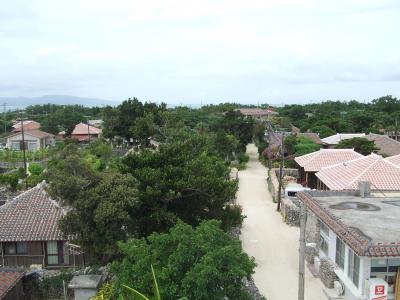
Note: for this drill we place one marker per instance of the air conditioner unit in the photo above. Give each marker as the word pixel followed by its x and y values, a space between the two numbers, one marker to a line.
pixel 376 289
pixel 339 288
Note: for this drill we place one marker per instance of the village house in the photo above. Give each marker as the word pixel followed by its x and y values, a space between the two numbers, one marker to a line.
pixel 386 145
pixel 34 139
pixel 29 233
pixel 85 133
pixel 356 242
pixel 311 163
pixel 28 125
pixel 258 113
pixel 333 140
pixel 11 284
pixel 382 174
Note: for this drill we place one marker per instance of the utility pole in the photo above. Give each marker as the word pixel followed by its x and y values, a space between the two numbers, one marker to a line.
pixel 23 144
pixel 302 248
pixel 281 165
pixel 88 129
pixel 4 117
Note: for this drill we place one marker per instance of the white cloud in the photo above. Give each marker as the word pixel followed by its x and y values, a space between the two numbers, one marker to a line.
pixel 211 49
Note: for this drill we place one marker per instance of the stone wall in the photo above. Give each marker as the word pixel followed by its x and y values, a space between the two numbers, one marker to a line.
pixel 290 211
pixel 312 236
pixel 327 273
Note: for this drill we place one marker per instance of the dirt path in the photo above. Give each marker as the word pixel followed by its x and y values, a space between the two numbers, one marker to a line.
pixel 273 243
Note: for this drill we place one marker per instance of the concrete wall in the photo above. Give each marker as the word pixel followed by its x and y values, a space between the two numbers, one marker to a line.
pixel 31 140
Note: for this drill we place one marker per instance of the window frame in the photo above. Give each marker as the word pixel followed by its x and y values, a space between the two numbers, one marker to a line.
pixel 340 256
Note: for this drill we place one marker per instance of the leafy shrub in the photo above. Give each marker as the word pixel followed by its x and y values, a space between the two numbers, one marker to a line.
pixel 35 169
pixel 106 292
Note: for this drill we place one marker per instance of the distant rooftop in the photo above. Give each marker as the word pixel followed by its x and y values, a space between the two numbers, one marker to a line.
pixel 257 112
pixel 386 145
pixel 336 138
pixel 370 226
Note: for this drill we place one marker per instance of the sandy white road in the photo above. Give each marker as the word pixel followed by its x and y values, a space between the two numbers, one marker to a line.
pixel 266 237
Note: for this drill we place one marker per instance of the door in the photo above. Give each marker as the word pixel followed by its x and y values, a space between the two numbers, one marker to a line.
pixel 52 253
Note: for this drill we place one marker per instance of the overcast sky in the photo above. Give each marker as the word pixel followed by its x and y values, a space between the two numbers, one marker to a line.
pixel 254 51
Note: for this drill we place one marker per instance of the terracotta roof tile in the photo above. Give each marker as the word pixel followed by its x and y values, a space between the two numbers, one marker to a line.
pixel 382 174
pixel 394 159
pixel 31 216
pixel 315 161
pixel 34 132
pixel 82 128
pixel 8 279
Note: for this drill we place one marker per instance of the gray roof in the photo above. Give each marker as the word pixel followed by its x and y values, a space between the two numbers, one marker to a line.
pixel 31 216
pixel 371 225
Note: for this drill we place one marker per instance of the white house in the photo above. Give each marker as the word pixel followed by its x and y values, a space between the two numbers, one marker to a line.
pixel 34 140
pixel 360 236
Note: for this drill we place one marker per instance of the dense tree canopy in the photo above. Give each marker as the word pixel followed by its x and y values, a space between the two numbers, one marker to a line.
pixel 360 145
pixel 203 263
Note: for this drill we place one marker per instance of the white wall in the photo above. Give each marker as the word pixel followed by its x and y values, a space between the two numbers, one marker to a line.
pixel 28 138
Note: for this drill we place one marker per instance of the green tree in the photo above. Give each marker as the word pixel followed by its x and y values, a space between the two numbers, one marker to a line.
pixel 360 145
pixel 323 131
pixel 197 263
pixel 103 214
pixel 182 180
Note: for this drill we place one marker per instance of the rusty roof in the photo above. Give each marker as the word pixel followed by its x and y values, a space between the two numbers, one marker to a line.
pixel 31 216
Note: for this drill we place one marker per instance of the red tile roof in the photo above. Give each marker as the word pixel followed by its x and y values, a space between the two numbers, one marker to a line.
pixel 28 125
pixel 386 145
pixel 394 159
pixel 82 129
pixel 8 279
pixel 360 244
pixel 31 216
pixel 34 132
pixel 381 173
pixel 315 161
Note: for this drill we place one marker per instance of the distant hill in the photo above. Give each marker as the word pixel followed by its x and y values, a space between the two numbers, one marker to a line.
pixel 21 102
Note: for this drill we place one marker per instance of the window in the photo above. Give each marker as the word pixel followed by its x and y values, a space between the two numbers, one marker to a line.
pixel 324 238
pixel 22 248
pixel 32 145
pixel 340 248
pixel 324 228
pixel 10 249
pixel 15 145
pixel 354 267
pixel 386 269
pixel 15 248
